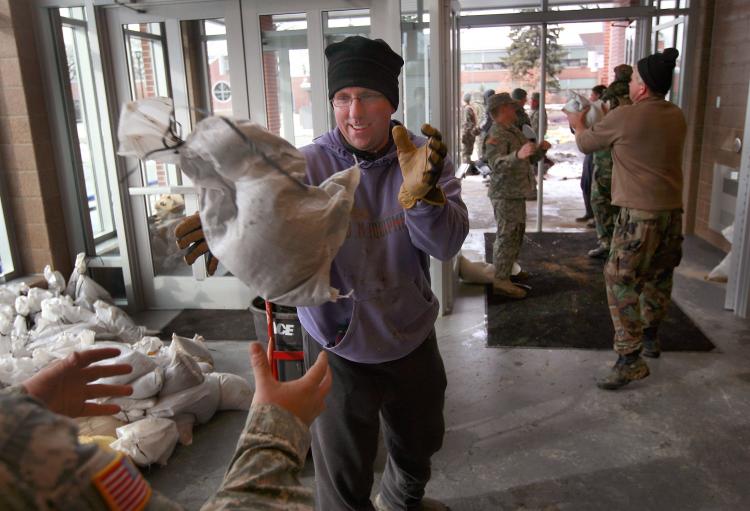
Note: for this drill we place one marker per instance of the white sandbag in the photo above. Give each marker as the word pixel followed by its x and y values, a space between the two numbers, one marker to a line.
pixel 60 309
pixel 254 205
pixel 236 393
pixel 185 423
pixel 142 129
pixel 195 348
pixel 18 288
pixel 45 333
pixel 35 297
pixel 7 315
pixel 475 272
pixel 149 345
pixel 103 425
pixel 721 272
pixel 130 416
pixel 140 363
pixel 201 400
pixel 55 281
pixel 181 373
pixel 61 346
pixel 578 102
pixel 5 345
pixel 14 370
pixel 148 385
pixel 84 290
pixel 118 322
pixel 20 328
pixel 22 305
pixel 130 404
pixel 148 441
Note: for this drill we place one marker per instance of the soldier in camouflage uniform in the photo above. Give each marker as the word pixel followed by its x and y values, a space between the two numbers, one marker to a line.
pixel 601 187
pixel 42 465
pixel 510 156
pixel 469 130
pixel 520 96
pixel 485 125
pixel 647 140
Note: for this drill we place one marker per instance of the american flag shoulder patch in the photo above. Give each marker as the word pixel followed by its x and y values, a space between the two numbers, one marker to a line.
pixel 122 486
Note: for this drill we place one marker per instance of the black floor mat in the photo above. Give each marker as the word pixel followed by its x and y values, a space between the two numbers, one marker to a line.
pixel 567 307
pixel 212 324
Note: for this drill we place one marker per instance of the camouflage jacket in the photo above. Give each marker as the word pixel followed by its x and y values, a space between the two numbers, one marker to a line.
pixel 43 466
pixel 510 177
pixel 535 122
pixel 470 123
pixel 522 118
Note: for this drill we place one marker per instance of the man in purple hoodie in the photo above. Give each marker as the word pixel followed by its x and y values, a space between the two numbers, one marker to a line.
pixel 381 342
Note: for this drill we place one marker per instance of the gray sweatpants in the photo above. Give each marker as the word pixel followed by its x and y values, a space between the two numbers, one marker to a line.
pixel 408 395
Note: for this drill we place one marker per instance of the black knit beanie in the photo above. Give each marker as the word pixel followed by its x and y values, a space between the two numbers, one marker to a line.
pixel 361 62
pixel 656 70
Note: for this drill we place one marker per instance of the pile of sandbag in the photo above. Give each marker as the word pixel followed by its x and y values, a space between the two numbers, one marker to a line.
pixel 174 386
pixel 38 326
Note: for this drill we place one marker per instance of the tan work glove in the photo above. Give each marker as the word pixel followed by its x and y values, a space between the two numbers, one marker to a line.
pixel 189 233
pixel 420 166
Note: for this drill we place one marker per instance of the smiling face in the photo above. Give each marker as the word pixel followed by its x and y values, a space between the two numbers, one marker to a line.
pixel 364 124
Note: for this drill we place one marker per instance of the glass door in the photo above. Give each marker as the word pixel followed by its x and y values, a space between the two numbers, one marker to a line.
pixel 192 54
pixel 286 66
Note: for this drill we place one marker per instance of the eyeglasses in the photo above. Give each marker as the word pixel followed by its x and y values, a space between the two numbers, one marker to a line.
pixel 366 99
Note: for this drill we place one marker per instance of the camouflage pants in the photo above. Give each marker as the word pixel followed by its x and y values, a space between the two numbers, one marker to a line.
pixel 510 215
pixel 467 145
pixel 646 248
pixel 601 197
pixel 480 145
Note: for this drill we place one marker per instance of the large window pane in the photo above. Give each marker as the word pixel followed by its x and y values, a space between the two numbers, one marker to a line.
pixel 149 77
pixel 87 137
pixel 6 259
pixel 207 67
pixel 286 74
pixel 415 49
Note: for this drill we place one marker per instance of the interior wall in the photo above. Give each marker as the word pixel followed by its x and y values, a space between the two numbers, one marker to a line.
pixel 728 75
pixel 26 152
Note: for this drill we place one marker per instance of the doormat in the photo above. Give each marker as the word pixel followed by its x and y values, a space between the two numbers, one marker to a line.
pixel 567 307
pixel 212 324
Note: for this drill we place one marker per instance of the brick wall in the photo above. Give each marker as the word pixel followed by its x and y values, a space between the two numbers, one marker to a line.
pixel 26 155
pixel 728 73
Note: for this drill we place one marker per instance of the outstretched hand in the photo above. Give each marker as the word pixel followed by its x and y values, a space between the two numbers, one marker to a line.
pixel 65 386
pixel 303 397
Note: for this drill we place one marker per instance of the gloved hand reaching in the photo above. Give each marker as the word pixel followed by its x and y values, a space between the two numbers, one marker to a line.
pixel 189 233
pixel 420 166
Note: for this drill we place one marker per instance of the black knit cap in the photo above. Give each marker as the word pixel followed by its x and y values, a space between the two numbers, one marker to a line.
pixel 656 70
pixel 361 62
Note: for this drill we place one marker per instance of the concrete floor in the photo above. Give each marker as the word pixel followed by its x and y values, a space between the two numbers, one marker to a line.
pixel 528 430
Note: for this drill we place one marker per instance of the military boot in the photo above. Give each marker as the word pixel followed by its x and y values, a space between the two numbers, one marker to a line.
pixel 651 344
pixel 427 504
pixel 507 288
pixel 630 367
